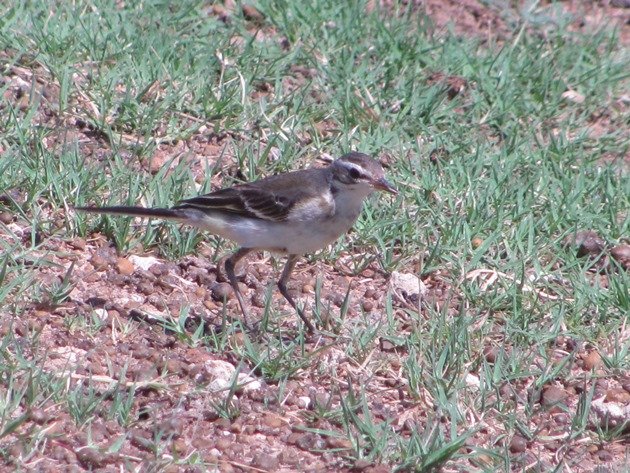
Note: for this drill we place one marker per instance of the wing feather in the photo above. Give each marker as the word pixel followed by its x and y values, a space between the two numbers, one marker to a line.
pixel 294 195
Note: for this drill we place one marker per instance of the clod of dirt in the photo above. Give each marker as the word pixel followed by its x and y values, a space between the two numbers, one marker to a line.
pixel 490 354
pixel 618 395
pixel 98 262
pixel 407 287
pixel 587 242
pixel 621 254
pixel 91 458
pixel 552 395
pixel 6 217
pixel 221 291
pixel 78 243
pixel 252 14
pixel 518 444
pixel 592 360
pixel 265 462
pixel 124 266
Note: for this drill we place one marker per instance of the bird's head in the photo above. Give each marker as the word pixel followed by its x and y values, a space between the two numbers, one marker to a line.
pixel 359 171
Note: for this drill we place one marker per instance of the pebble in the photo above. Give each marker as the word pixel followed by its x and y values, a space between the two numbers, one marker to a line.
pixel 221 291
pixel 592 360
pixel 621 253
pixel 272 421
pixel 98 262
pixel 6 217
pixel 604 455
pixel 518 444
pixel 338 299
pixel 38 416
pixel 588 243
pixel 490 354
pixel 258 299
pixel 370 293
pixel 179 445
pixel 476 242
pixel 552 395
pixel 124 266
pixel 309 442
pixel 265 462
pixel 618 395
pixel 338 443
pixel 252 13
pixel 78 243
pixel 142 371
pixel 90 458
pixel 367 305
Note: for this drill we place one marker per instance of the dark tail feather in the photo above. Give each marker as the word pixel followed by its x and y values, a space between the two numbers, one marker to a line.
pixel 134 212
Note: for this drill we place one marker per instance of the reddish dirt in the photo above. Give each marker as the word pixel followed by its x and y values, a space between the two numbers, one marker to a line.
pixel 177 388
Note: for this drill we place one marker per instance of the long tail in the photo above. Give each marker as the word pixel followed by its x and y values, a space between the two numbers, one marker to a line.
pixel 169 214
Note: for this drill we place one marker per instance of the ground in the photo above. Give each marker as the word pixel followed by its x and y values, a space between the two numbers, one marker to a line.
pixel 131 359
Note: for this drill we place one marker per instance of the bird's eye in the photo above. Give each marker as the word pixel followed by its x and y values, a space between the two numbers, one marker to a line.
pixel 355 173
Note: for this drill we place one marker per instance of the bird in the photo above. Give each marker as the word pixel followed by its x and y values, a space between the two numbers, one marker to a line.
pixel 293 213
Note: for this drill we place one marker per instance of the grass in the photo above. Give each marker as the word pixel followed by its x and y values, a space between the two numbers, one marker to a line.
pixel 517 169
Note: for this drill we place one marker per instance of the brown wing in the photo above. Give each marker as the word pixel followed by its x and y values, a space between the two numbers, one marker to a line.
pixel 271 199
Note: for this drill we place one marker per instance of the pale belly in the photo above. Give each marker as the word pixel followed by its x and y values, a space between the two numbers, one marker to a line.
pixel 296 239
pixel 287 237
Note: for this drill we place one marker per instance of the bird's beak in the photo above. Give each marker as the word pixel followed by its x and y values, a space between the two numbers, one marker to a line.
pixel 383 185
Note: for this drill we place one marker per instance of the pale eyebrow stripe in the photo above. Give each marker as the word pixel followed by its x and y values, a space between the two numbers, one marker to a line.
pixel 349 165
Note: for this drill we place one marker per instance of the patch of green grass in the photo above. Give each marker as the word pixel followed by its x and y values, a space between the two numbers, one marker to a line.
pixel 517 168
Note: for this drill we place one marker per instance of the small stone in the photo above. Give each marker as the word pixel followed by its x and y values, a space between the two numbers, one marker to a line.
pixel 592 360
pixel 476 242
pixel 6 217
pixel 124 266
pixel 265 462
pixel 220 12
pixel 587 243
pixel 338 299
pixel 367 305
pixel 252 14
pixel 552 395
pixel 38 416
pixel 309 442
pixel 98 262
pixel 621 254
pixel 90 458
pixel 258 299
pixel 361 465
pixel 78 244
pixel 605 455
pixel 221 291
pixel 209 304
pixel 338 443
pixel 518 444
pixel 272 421
pixel 618 395
pixel 370 293
pixel 387 345
pixel 490 354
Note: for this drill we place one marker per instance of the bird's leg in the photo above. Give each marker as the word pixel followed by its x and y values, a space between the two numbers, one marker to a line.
pixel 230 264
pixel 282 285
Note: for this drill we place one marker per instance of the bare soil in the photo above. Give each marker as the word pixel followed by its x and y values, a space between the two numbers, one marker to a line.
pixel 277 427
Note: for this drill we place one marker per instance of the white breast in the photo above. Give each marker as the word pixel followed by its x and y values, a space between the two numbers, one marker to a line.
pixel 296 235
